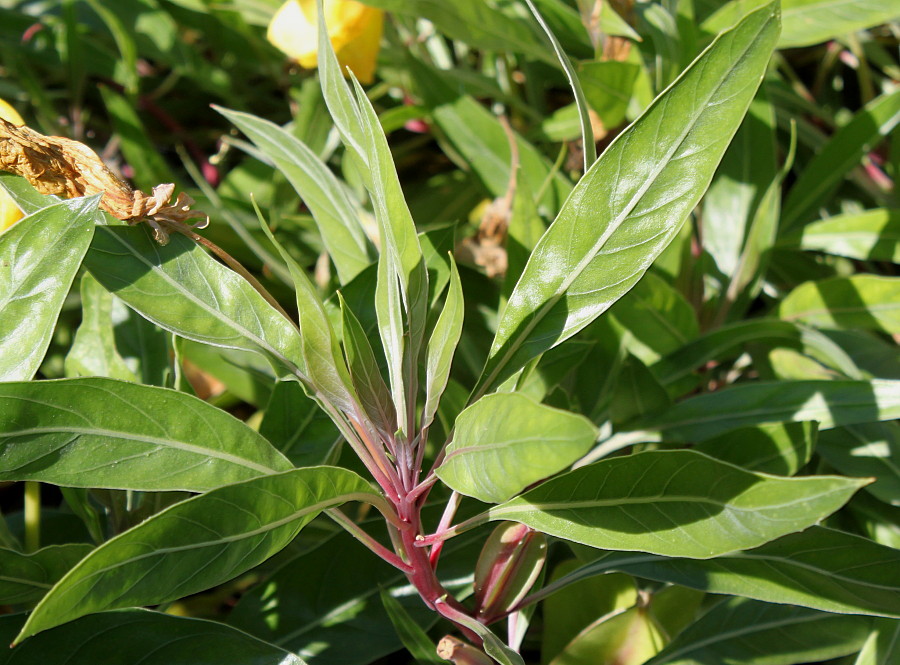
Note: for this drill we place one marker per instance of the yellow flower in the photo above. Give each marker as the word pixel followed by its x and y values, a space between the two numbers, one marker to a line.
pixel 9 211
pixel 354 30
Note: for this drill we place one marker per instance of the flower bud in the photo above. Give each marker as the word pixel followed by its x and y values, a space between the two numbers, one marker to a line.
pixel 9 211
pixel 354 30
pixel 507 567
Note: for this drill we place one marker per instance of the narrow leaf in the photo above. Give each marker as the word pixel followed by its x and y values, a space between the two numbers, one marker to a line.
pixel 337 218
pixel 442 346
pixel 141 636
pixel 24 578
pixel 197 544
pixel 675 503
pixel 832 403
pixel 873 235
pixel 39 257
pixel 820 568
pixel 617 221
pixel 733 631
pixel 869 449
pixel 860 301
pixel 828 168
pixel 96 432
pixel 506 441
pixel 185 291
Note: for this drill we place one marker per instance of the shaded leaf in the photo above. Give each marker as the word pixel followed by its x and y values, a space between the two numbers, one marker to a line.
pixel 197 543
pixel 24 578
pixel 860 301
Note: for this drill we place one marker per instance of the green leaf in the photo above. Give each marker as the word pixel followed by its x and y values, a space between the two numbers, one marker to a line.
pixel 24 578
pixel 374 395
pixel 138 149
pixel 587 133
pixel 474 22
pixel 93 351
pixel 337 218
pixel 185 291
pixel 870 449
pixel 717 344
pixel 778 448
pixel 573 608
pixel 39 257
pixel 150 638
pixel 608 86
pixel 400 241
pixel 883 645
pixel 479 137
pixel 296 426
pixel 659 318
pixel 735 630
pixel 873 235
pixel 197 544
pixel 442 346
pixel 809 22
pixel 844 150
pixel 819 568
pixel 96 432
pixel 322 357
pixel 675 503
pixel 617 221
pixel 628 638
pixel 312 606
pixel 832 403
pixel 414 638
pixel 506 441
pixel 860 301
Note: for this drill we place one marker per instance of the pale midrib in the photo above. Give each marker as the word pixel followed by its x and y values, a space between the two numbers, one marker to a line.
pixel 722 636
pixel 270 526
pixel 614 226
pixel 152 440
pixel 616 502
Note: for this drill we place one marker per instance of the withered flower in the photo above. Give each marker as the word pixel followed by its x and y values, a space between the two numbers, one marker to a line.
pixel 67 168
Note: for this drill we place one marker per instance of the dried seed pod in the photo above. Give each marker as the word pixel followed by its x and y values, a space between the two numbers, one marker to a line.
pixel 67 168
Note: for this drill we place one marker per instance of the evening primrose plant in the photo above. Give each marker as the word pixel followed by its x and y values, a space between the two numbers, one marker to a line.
pixel 586 495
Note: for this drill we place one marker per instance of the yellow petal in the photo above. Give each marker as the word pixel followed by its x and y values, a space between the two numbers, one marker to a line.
pixel 9 211
pixel 353 28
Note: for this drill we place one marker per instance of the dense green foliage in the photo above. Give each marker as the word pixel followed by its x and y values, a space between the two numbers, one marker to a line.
pixel 562 405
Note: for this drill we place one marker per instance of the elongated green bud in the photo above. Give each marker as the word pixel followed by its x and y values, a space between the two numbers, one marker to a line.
pixel 507 567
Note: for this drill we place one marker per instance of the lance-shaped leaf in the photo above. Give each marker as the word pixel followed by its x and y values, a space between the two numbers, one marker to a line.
pixel 675 503
pixel 873 235
pixel 322 356
pixel 197 544
pixel 883 644
pixel 717 344
pixel 733 631
pixel 632 202
pixel 185 291
pixel 96 432
pixel 39 257
pixel 337 218
pixel 141 636
pixel 399 240
pixel 93 351
pixel 860 301
pixel 831 403
pixel 821 176
pixel 868 449
pixel 507 441
pixel 374 395
pixel 24 578
pixel 442 346
pixel 820 568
